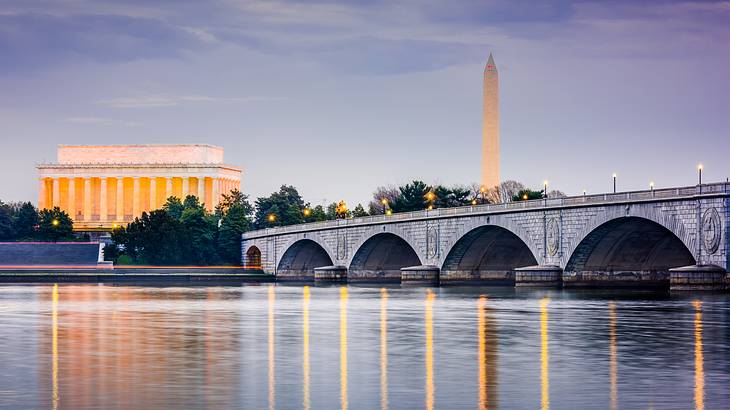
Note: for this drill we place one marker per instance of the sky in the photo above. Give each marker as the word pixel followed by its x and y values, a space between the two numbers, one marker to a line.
pixel 340 97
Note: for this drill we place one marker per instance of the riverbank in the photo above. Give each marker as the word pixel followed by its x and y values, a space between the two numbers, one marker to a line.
pixel 127 274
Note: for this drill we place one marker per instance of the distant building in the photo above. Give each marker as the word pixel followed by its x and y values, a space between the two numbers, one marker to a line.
pixel 490 126
pixel 107 185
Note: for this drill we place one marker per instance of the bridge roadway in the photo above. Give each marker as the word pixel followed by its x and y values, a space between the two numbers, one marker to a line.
pixel 640 238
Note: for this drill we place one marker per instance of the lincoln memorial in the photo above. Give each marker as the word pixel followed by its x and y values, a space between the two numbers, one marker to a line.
pixel 101 187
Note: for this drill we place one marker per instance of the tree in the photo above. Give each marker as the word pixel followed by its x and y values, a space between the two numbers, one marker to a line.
pixel 156 238
pixel 25 221
pixel 54 224
pixel 174 207
pixel 526 195
pixel 201 231
pixel 504 192
pixel 341 211
pixel 411 197
pixel 316 214
pixel 359 211
pixel 284 207
pixel 383 198
pixel 7 230
pixel 450 197
pixel 235 221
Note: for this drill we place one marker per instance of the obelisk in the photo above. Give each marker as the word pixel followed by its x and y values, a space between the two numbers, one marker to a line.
pixel 490 126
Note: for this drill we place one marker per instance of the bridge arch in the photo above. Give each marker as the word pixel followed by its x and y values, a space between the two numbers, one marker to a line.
pixel 381 256
pixel 486 253
pixel 252 258
pixel 632 244
pixel 300 257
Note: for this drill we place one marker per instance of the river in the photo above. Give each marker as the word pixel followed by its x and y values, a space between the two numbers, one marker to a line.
pixel 358 347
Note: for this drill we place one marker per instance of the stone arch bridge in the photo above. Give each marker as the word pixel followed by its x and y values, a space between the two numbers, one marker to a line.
pixel 631 238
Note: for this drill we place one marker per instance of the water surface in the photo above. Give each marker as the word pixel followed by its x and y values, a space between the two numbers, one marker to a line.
pixel 274 346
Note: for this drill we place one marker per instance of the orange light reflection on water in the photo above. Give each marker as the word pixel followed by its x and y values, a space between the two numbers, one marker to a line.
pixel 54 347
pixel 305 348
pixel 699 358
pixel 429 349
pixel 272 376
pixel 544 356
pixel 343 348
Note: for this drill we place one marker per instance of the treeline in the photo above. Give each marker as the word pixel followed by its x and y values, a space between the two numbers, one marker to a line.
pixel 22 221
pixel 286 206
pixel 184 233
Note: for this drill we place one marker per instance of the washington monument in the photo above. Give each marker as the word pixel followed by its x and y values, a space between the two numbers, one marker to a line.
pixel 490 126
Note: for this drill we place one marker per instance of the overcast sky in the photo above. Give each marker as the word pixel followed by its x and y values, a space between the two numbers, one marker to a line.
pixel 337 98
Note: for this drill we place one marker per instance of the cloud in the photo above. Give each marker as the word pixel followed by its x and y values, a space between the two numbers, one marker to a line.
pixel 32 41
pixel 157 101
pixel 100 121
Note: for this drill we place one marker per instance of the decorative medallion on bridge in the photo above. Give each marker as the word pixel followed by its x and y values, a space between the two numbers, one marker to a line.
pixel 552 235
pixel 711 230
pixel 432 242
pixel 341 247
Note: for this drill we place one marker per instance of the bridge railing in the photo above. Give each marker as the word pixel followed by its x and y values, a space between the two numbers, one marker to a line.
pixel 662 194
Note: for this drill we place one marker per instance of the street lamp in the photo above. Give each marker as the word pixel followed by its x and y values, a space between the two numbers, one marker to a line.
pixel 473 201
pixel 699 173
pixel 389 212
pixel 307 212
pixel 545 185
pixel 584 192
pixel 651 185
pixel 614 182
pixel 271 218
pixel 384 201
pixel 54 222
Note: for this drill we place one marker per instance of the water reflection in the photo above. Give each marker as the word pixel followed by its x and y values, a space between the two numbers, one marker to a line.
pixel 699 358
pixel 486 356
pixel 612 354
pixel 118 347
pixel 343 348
pixel 544 356
pixel 383 349
pixel 305 347
pixel 54 347
pixel 272 355
pixel 430 296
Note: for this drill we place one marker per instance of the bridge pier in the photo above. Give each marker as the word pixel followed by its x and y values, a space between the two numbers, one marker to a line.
pixel 697 277
pixel 539 276
pixel 420 275
pixel 330 274
pixel 477 277
pixel 616 279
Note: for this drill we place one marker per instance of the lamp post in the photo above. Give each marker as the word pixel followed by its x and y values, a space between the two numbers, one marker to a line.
pixel 545 185
pixel 614 182
pixel 384 201
pixel 584 192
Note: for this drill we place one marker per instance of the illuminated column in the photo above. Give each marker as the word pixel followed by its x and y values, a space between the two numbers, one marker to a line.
pixel 168 188
pixel 42 194
pixel 120 199
pixel 87 199
pixel 56 193
pixel 72 198
pixel 216 193
pixel 103 208
pixel 201 190
pixel 185 187
pixel 135 197
pixel 153 193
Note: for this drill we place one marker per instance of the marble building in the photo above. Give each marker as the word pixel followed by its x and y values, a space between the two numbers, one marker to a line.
pixel 105 186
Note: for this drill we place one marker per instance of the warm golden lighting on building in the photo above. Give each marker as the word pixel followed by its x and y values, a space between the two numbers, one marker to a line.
pixel 305 349
pixel 272 356
pixel 99 186
pixel 343 348
pixel 430 296
pixel 699 358
pixel 544 356
pixel 383 349
pixel 613 370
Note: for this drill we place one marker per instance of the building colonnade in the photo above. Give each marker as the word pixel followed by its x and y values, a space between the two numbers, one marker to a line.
pixel 119 199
